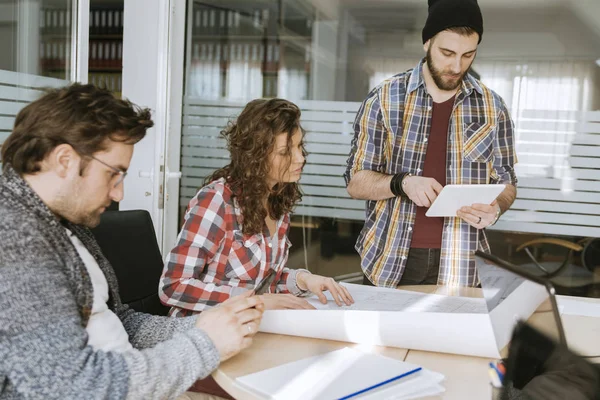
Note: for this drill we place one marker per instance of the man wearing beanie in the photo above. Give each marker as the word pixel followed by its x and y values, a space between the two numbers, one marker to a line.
pixel 417 132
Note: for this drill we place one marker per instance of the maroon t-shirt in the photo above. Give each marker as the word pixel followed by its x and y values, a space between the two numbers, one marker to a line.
pixel 427 231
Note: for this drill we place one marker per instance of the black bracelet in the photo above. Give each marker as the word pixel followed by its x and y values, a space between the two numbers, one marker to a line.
pixel 396 184
pixel 394 187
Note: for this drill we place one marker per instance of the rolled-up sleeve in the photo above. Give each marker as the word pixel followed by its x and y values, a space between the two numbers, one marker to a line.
pixel 367 146
pixel 289 282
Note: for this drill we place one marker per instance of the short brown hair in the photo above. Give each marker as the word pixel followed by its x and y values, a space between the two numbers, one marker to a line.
pixel 82 116
pixel 250 141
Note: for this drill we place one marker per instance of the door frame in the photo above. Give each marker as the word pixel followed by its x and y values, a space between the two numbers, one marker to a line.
pixel 172 177
pixel 153 54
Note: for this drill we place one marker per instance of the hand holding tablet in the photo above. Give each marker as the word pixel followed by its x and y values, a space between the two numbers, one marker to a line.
pixel 454 197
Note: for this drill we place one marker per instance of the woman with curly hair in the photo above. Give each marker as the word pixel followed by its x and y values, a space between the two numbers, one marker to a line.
pixel 236 226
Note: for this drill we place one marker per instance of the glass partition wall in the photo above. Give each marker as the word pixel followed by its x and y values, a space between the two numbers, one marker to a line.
pixel 543 58
pixel 37 42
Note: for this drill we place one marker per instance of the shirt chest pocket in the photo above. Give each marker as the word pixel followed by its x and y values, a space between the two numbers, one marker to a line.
pixel 245 257
pixel 478 141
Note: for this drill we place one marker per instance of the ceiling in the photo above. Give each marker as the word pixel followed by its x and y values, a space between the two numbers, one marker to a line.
pixel 377 16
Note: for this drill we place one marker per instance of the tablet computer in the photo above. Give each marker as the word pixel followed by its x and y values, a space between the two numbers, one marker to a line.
pixel 453 197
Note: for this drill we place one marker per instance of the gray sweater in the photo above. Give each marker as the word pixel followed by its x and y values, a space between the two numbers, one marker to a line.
pixel 45 303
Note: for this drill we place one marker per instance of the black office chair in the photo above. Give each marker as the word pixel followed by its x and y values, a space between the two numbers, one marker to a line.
pixel 128 241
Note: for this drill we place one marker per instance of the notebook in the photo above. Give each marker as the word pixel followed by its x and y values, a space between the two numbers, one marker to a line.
pixel 344 374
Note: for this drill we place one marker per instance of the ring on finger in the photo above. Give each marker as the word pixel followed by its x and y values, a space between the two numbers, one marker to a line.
pixel 479 220
pixel 249 327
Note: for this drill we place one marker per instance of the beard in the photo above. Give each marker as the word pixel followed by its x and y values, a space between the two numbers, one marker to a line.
pixel 69 205
pixel 90 220
pixel 438 76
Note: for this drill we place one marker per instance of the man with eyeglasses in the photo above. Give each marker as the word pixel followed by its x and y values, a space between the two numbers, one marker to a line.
pixel 64 332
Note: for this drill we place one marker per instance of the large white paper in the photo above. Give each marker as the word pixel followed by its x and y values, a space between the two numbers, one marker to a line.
pixel 519 305
pixel 369 298
pixel 434 324
pixel 341 373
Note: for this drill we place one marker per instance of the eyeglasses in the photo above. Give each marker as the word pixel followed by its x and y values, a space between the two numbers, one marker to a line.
pixel 122 174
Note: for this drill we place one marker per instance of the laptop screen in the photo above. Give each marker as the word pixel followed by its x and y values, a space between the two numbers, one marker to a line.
pixel 512 294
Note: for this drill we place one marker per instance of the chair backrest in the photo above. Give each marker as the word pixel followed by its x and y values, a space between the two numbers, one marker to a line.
pixel 590 256
pixel 128 241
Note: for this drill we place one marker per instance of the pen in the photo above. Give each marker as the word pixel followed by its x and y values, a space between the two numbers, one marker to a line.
pixel 381 384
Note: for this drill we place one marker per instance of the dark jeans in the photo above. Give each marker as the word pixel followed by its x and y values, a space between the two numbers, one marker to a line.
pixel 422 268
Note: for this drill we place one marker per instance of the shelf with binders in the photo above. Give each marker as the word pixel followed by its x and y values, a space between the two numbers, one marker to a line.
pixel 211 21
pixel 105 52
pixel 105 55
pixel 55 41
pixel 268 54
pixel 251 24
pixel 105 47
pixel 278 69
pixel 256 53
pixel 106 22
pixel 54 22
pixel 248 46
pixel 102 22
pixel 54 55
pixel 107 80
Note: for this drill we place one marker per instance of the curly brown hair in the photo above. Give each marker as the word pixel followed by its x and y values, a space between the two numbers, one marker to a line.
pixel 250 141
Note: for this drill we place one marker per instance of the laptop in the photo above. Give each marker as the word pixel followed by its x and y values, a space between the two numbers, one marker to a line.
pixel 511 269
pixel 539 364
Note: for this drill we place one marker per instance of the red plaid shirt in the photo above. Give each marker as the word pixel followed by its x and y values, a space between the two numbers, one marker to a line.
pixel 213 260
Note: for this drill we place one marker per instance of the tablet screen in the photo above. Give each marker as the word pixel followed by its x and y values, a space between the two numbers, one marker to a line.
pixel 453 197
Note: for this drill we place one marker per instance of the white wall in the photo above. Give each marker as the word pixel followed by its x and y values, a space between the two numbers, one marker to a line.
pixel 510 34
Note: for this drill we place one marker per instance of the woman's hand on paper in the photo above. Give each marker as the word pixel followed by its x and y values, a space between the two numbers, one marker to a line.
pixel 280 301
pixel 317 284
pixel 232 324
pixel 479 215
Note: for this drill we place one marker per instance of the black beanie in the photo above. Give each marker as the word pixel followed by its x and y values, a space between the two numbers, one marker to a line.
pixel 444 14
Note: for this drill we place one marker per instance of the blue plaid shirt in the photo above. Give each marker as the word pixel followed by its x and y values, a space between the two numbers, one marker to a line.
pixel 480 151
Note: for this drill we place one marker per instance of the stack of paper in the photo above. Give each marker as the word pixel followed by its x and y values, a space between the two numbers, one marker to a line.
pixel 345 374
